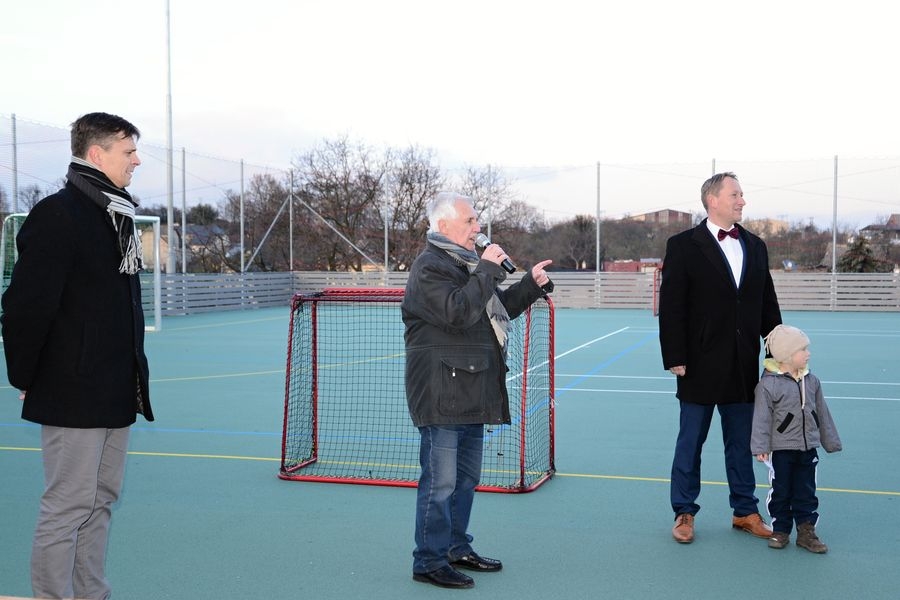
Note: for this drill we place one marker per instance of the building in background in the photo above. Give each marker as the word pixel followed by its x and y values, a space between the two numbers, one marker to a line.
pixel 665 217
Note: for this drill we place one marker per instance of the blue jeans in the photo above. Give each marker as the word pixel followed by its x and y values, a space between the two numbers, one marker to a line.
pixel 737 422
pixel 450 456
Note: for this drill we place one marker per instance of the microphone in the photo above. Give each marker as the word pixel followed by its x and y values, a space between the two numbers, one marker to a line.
pixel 483 242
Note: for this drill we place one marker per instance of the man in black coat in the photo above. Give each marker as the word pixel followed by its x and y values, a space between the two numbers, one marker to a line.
pixel 717 301
pixel 73 334
pixel 456 320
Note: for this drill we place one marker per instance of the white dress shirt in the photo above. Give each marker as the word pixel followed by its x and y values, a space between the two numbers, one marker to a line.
pixel 734 252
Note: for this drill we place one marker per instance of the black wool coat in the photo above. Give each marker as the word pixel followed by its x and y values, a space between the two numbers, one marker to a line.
pixel 708 324
pixel 73 326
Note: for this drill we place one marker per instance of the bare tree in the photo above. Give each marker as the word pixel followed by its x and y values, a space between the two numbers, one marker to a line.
pixel 800 244
pixel 202 214
pixel 413 179
pixel 626 239
pixel 493 194
pixel 571 243
pixel 520 228
pixel 224 250
pixel 266 228
pixel 342 183
pixel 208 248
pixel 520 217
pixel 31 195
pixel 266 224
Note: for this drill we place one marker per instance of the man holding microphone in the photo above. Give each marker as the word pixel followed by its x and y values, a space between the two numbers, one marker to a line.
pixel 456 322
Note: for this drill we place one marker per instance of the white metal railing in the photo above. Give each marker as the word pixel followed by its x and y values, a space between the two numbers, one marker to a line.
pixel 194 293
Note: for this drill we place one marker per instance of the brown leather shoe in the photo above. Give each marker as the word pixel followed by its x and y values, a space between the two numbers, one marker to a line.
pixel 683 532
pixel 752 524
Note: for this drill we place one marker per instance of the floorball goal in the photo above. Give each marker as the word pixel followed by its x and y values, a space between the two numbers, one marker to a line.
pixel 345 413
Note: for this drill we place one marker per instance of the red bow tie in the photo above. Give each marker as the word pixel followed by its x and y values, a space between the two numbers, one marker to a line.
pixel 723 234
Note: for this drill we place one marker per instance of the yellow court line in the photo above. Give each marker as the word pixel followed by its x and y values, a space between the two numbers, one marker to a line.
pixel 666 480
pixel 167 454
pixel 274 372
pixel 217 456
pixel 226 324
pixel 557 474
pixel 199 377
pixel 222 376
pixel 362 361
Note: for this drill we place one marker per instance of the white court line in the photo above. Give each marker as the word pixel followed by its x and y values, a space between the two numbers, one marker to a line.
pixel 671 392
pixel 614 376
pixel 514 376
pixel 586 344
pixel 658 377
pixel 857 332
pixel 857 383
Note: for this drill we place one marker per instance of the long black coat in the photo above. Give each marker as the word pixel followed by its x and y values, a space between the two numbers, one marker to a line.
pixel 455 372
pixel 709 325
pixel 73 326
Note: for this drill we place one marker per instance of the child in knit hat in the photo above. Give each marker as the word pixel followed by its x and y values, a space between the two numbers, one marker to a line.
pixel 791 420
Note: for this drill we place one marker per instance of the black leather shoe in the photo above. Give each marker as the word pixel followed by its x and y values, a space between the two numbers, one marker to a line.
pixel 447 577
pixel 473 562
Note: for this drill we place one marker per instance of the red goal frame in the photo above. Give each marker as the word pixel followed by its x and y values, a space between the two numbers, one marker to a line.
pixel 530 438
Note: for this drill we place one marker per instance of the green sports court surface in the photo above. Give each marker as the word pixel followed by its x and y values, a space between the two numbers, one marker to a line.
pixel 203 514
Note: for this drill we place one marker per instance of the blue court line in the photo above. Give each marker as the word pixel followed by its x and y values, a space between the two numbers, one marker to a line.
pixel 500 429
pixel 611 360
pixel 168 430
pixel 497 429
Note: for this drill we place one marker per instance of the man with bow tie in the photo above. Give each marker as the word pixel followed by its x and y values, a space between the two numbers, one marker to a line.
pixel 717 301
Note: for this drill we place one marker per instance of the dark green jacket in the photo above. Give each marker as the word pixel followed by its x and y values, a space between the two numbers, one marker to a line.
pixel 455 370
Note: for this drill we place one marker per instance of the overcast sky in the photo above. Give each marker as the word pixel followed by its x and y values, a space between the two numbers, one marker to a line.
pixel 543 90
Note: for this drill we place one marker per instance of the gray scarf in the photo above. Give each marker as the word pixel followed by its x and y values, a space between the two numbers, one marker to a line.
pixel 495 310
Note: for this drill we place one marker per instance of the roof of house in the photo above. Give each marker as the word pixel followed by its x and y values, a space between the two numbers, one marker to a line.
pixel 892 224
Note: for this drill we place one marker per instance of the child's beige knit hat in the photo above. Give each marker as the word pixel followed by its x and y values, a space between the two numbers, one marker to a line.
pixel 783 341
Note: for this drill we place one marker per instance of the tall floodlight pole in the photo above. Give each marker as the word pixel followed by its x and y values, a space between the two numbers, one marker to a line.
pixel 183 212
pixel 597 229
pixel 387 208
pixel 490 201
pixel 714 166
pixel 834 220
pixel 243 267
pixel 170 211
pixel 15 167
pixel 291 223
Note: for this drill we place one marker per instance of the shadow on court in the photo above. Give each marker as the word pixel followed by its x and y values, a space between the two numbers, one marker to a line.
pixel 204 516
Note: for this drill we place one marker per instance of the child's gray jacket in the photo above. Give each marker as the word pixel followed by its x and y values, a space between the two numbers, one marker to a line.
pixel 791 414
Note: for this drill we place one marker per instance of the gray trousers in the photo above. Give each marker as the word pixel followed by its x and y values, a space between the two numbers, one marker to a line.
pixel 83 473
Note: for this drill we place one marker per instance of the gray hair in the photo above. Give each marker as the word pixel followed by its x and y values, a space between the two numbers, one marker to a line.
pixel 443 206
pixel 713 185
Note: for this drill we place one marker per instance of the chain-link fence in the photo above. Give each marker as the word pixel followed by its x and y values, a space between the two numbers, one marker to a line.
pixel 34 158
pixel 850 193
